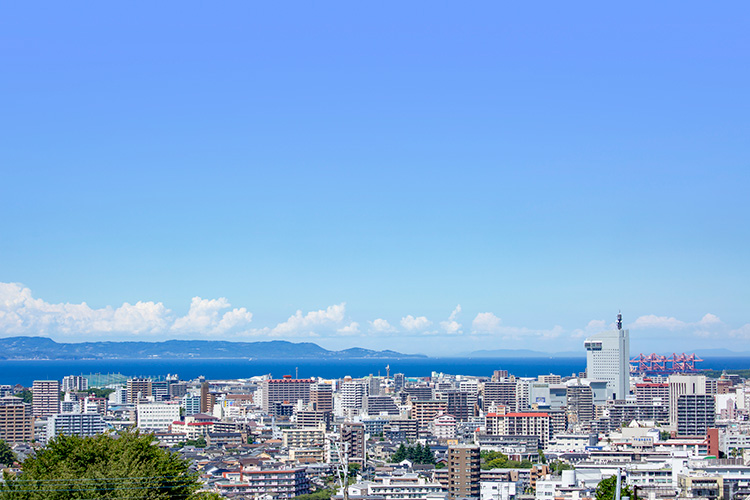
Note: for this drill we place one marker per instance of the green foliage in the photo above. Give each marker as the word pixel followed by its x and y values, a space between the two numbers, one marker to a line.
pixel 559 465
pixel 318 495
pixel 354 469
pixel 100 392
pixel 664 435
pixel 440 465
pixel 107 466
pixel 497 460
pixel 743 373
pixel 26 395
pixel 606 489
pixel 416 454
pixel 199 442
pixel 250 439
pixel 7 457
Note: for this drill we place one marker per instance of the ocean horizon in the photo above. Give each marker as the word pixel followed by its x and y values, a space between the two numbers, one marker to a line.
pixel 24 372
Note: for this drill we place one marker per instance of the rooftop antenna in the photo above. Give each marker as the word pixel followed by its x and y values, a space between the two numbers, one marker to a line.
pixel 619 320
pixel 387 372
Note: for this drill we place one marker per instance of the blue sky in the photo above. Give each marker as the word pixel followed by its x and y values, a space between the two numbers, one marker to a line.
pixel 373 166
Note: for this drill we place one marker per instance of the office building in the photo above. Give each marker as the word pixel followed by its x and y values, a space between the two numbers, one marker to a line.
pixel 608 359
pixel 463 472
pixel 45 397
pixel 157 416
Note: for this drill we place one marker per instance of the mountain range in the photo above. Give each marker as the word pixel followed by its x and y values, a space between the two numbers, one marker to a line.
pixel 45 348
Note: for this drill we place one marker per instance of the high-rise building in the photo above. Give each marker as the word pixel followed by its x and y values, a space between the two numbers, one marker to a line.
pixel 399 380
pixel 192 404
pixel 353 394
pixel 321 397
pixel 696 413
pixel 353 437
pixel 652 393
pixel 206 406
pixel 45 397
pixel 138 388
pixel 463 471
pixel 608 359
pixel 580 403
pixel 285 390
pixel 499 393
pixel 74 383
pixel 683 385
pixel 16 420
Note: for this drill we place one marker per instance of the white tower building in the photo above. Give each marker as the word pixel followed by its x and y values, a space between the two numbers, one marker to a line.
pixel 608 359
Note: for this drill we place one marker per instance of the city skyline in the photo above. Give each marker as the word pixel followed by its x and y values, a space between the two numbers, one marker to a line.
pixel 379 176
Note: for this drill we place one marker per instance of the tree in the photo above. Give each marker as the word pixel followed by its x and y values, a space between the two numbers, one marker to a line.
pixel 108 466
pixel 26 395
pixel 100 392
pixel 7 456
pixel 606 489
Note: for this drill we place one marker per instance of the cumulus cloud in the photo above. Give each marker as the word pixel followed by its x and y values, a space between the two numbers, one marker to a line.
pixel 22 314
pixel 489 324
pixel 593 326
pixel 205 316
pixel 411 323
pixel 452 326
pixel 381 326
pixel 486 322
pixel 742 332
pixel 660 322
pixel 350 329
pixel 304 324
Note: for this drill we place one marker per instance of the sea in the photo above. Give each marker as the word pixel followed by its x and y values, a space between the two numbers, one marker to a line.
pixel 25 372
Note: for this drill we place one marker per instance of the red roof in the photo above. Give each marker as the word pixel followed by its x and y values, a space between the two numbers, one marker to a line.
pixel 529 414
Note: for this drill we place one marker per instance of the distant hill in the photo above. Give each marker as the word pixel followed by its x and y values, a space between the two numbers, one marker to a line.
pixel 45 348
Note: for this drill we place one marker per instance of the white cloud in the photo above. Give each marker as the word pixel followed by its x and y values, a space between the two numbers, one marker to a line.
pixel 486 323
pixel 593 326
pixel 710 320
pixel 661 322
pixel 22 314
pixel 205 316
pixel 299 323
pixel 411 323
pixel 452 326
pixel 350 329
pixel 742 332
pixel 381 326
